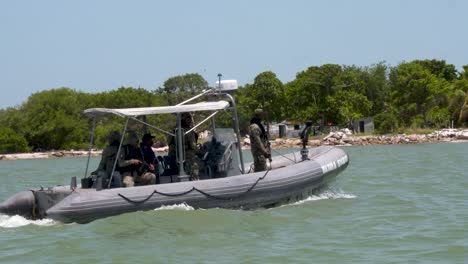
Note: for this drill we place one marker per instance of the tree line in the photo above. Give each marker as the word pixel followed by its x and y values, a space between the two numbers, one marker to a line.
pixel 416 94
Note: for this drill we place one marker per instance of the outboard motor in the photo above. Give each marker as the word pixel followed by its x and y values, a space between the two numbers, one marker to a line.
pixel 22 203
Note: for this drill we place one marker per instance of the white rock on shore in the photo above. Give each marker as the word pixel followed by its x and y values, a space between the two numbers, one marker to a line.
pixel 338 138
pixel 51 154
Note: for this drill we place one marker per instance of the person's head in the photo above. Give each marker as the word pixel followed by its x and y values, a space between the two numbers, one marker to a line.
pixel 186 120
pixel 132 139
pixel 114 137
pixel 147 139
pixel 258 113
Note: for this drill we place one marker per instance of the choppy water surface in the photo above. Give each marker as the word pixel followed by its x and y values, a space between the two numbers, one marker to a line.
pixel 393 204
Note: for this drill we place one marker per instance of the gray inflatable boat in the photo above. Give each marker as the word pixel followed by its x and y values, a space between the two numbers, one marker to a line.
pixel 225 180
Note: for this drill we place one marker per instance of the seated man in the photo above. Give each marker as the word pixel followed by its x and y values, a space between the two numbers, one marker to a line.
pixel 148 154
pixel 108 156
pixel 132 166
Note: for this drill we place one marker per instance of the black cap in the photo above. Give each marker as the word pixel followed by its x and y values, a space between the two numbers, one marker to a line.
pixel 147 136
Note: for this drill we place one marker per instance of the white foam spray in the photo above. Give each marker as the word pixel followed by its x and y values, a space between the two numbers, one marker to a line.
pixel 180 207
pixel 7 221
pixel 331 193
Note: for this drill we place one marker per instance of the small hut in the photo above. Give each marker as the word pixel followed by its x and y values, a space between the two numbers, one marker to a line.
pixel 364 125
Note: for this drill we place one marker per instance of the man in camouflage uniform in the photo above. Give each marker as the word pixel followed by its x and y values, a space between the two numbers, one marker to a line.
pixel 258 141
pixel 191 164
pixel 190 147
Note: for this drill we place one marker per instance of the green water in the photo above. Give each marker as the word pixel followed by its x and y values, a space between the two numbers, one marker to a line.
pixel 393 204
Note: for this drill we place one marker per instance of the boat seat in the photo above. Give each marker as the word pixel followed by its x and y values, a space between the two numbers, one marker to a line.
pixel 101 180
pixel 169 167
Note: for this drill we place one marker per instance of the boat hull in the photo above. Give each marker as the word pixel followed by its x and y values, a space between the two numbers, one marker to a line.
pixel 288 180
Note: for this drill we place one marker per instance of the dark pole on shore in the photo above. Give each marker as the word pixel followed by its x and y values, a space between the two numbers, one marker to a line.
pixel 219 80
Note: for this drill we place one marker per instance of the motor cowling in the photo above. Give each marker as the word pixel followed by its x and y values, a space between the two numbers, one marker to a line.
pixel 22 203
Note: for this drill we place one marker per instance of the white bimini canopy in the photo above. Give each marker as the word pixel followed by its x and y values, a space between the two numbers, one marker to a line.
pixel 140 111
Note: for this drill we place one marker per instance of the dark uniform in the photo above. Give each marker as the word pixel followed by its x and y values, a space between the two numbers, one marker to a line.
pixel 132 166
pixel 148 154
pixel 108 156
pixel 190 156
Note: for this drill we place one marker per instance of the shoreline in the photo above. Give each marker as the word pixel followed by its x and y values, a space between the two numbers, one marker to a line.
pixel 339 139
pixel 346 141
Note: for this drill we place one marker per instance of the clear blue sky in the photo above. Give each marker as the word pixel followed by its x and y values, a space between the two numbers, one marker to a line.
pixel 96 46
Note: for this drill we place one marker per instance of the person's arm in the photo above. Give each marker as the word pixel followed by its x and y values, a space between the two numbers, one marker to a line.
pixel 124 162
pixel 255 139
pixel 149 155
pixel 151 159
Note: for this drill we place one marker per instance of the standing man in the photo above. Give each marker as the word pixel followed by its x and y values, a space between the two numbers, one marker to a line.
pixel 191 166
pixel 258 141
pixel 190 147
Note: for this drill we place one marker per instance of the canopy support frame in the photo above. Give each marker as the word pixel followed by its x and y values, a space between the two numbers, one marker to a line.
pixel 91 141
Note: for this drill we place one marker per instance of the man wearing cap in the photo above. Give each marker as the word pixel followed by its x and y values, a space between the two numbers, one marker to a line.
pixel 130 162
pixel 258 141
pixel 148 153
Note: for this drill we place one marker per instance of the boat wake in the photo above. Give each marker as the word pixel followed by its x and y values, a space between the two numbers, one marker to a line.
pixel 325 194
pixel 7 221
pixel 180 207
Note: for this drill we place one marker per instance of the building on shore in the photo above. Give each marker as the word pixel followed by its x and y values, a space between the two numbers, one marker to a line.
pixel 364 125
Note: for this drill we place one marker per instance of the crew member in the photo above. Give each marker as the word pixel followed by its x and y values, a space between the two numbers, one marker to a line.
pixel 148 153
pixel 108 156
pixel 258 141
pixel 191 138
pixel 132 166
pixel 190 147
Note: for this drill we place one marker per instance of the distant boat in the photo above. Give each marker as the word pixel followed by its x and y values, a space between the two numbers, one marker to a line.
pixel 226 181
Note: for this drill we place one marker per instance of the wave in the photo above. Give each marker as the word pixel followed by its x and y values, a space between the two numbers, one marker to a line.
pixel 330 193
pixel 7 221
pixel 180 207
